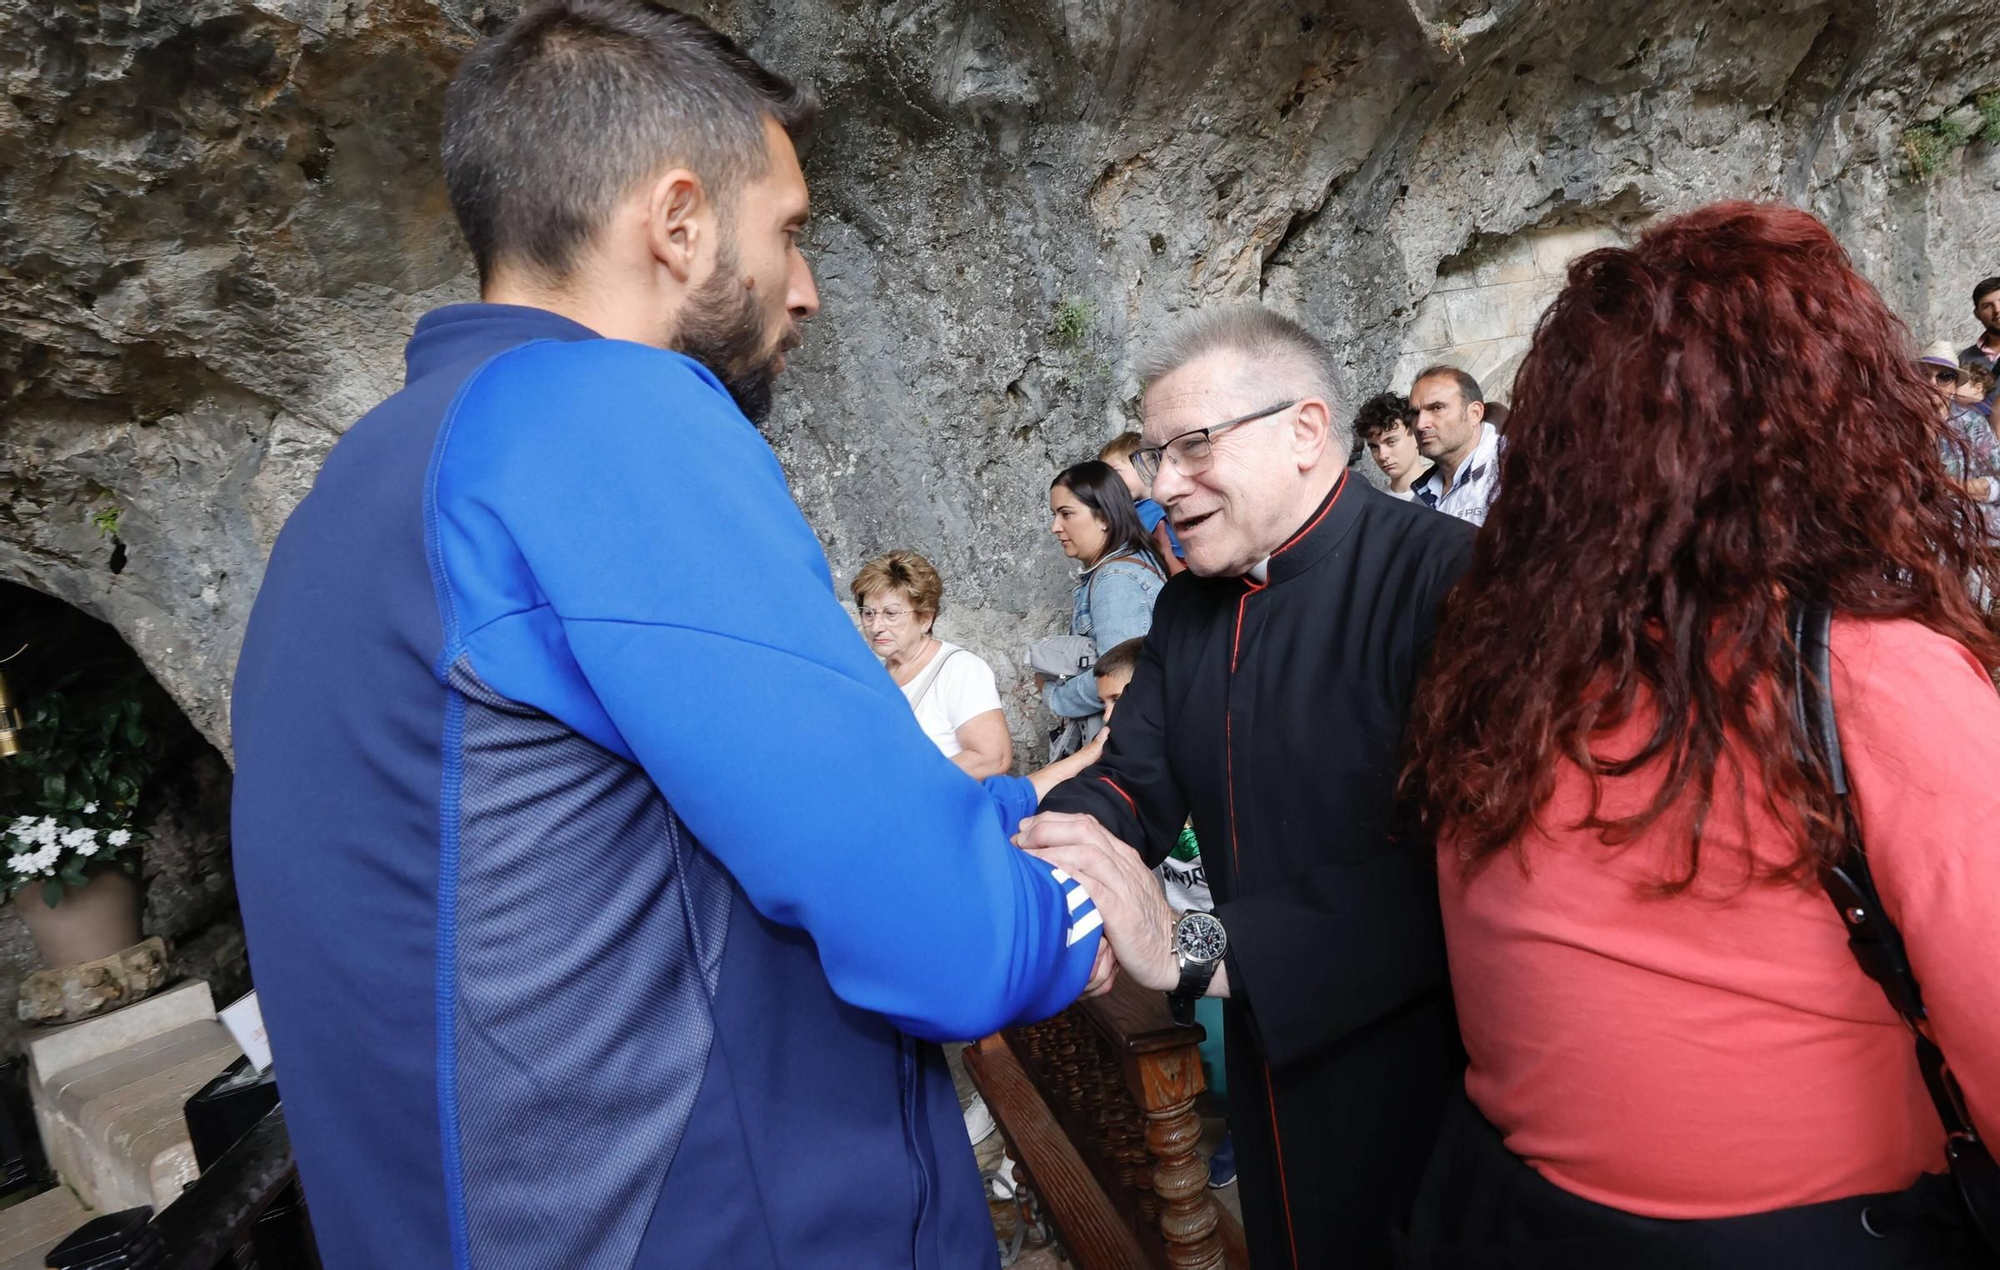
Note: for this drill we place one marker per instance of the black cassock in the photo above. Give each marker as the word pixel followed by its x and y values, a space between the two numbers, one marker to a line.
pixel 1275 713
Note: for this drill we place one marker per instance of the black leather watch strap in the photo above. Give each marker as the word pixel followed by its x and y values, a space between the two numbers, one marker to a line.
pixel 1195 978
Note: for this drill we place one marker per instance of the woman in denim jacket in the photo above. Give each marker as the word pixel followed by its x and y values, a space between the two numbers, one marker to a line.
pixel 1094 521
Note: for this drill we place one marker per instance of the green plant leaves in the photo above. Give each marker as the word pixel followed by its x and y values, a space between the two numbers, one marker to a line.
pixel 89 751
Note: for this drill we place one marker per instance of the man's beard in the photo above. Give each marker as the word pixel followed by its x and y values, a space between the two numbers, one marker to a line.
pixel 723 329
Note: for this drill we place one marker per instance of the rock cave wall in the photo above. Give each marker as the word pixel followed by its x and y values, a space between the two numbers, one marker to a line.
pixel 222 218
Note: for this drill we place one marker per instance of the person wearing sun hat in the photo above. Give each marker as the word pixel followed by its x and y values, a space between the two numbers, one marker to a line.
pixel 1977 465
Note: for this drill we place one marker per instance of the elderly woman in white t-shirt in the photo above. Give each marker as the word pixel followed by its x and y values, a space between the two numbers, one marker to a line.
pixel 950 689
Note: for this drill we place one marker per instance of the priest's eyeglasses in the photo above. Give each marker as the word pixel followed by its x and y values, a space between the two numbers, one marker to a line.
pixel 1192 452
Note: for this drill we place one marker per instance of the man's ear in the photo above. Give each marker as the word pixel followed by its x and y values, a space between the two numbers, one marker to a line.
pixel 1477 409
pixel 1311 428
pixel 677 226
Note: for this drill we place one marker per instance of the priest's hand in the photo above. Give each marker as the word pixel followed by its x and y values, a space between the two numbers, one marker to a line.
pixel 1138 924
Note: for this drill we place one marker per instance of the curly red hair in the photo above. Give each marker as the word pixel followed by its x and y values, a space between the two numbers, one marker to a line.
pixel 1721 417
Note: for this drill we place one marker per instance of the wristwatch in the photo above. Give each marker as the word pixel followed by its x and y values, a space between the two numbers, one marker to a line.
pixel 1199 945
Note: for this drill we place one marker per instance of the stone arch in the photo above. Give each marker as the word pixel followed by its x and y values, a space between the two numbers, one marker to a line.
pixel 190 895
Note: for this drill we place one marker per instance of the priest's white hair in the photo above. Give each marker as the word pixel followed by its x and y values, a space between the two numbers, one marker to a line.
pixel 1280 352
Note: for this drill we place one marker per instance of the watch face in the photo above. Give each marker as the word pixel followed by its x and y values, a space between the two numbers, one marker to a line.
pixel 1199 937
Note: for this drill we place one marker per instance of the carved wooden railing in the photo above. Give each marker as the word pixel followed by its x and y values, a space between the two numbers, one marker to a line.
pixel 1097 1106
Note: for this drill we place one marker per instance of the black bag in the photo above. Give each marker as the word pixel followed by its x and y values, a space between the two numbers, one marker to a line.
pixel 1872 935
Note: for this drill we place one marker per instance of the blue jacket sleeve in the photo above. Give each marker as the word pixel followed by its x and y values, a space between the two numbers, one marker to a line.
pixel 1015 798
pixel 623 553
pixel 1121 608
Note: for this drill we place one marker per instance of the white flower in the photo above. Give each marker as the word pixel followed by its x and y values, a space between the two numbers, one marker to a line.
pixel 90 809
pixel 118 837
pixel 37 863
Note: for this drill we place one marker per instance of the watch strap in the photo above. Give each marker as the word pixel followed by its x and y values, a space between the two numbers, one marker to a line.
pixel 1195 978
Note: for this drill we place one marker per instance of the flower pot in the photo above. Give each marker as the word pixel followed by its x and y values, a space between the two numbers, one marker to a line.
pixel 95 921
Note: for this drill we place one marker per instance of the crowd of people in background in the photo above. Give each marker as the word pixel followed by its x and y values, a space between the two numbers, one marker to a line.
pixel 1967 391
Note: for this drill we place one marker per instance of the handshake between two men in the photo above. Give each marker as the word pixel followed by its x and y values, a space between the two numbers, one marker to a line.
pixel 1139 925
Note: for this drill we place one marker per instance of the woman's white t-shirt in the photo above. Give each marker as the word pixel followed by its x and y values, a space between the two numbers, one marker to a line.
pixel 954 688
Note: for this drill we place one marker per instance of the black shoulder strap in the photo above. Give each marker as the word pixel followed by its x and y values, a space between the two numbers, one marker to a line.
pixel 1871 933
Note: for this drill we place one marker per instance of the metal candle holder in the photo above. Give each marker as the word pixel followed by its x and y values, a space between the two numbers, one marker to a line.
pixel 11 724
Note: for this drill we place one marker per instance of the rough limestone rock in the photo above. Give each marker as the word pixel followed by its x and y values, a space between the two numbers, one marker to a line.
pixel 223 216
pixel 66 994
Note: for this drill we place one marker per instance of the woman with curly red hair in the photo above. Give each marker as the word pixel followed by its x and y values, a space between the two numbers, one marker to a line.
pixel 1674 1058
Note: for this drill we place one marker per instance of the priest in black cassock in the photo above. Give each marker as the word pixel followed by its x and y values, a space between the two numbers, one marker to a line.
pixel 1269 703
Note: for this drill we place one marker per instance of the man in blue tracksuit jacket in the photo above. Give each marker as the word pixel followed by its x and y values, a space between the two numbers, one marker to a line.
pixel 603 895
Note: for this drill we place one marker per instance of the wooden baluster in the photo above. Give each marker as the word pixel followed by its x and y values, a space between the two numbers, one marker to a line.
pixel 1123 1137
pixel 1134 1157
pixel 1069 1073
pixel 1181 1181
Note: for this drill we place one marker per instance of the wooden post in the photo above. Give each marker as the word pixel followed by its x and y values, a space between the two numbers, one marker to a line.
pixel 1188 1222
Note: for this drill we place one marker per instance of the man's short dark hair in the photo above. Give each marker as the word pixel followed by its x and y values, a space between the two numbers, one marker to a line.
pixel 1468 387
pixel 1119 658
pixel 552 121
pixel 1984 289
pixel 1383 411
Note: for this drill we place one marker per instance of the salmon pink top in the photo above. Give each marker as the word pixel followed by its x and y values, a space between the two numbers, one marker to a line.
pixel 1719 1052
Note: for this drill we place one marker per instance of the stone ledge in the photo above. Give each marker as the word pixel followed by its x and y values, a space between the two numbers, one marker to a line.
pixel 61 1048
pixel 110 1093
pixel 115 1127
pixel 30 1228
pixel 72 1090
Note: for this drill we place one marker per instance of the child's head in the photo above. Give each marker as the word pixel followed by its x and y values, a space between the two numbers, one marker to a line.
pixel 1118 453
pixel 1387 426
pixel 1975 383
pixel 1114 671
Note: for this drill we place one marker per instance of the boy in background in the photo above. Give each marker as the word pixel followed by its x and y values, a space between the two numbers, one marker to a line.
pixel 1118 453
pixel 1387 425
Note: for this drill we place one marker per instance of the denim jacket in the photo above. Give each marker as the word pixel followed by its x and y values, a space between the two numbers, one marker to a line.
pixel 1113 602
